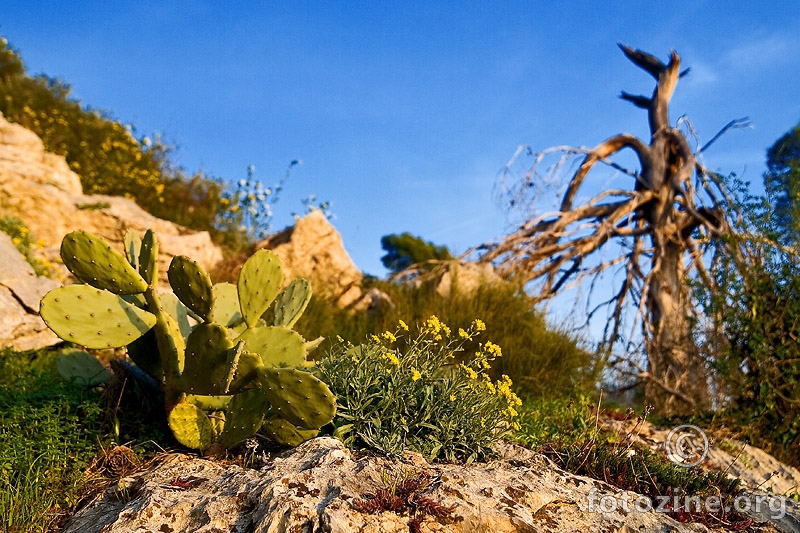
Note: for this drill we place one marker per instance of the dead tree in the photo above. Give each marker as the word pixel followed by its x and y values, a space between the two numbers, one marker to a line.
pixel 664 223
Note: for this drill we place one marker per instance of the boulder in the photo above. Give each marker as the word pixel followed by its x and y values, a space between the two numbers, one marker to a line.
pixel 313 249
pixel 323 486
pixel 41 190
pixel 20 292
pixel 442 277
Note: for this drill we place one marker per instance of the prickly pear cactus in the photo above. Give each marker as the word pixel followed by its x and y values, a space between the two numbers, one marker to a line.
pixel 240 366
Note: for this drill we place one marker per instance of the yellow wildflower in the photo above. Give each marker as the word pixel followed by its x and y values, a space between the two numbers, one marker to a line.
pixel 415 375
pixel 392 358
pixel 452 397
pixel 389 336
pixel 463 334
pixel 403 325
pixel 470 372
pixel 478 325
pixel 493 349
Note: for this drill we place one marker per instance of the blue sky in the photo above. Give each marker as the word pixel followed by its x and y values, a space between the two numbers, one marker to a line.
pixel 404 112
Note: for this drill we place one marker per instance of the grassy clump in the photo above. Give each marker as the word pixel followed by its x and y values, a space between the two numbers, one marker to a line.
pixel 540 360
pixel 567 431
pixel 49 432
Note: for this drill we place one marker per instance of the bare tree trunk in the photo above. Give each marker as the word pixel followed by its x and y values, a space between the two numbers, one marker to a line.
pixel 663 210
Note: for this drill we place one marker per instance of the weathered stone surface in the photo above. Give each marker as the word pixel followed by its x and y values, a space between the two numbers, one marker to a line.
pixel 442 277
pixel 20 292
pixel 41 190
pixel 22 153
pixel 374 300
pixel 313 249
pixel 755 467
pixel 316 487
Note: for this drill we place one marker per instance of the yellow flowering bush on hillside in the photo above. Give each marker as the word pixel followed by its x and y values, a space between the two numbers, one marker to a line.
pixel 108 155
pixel 399 392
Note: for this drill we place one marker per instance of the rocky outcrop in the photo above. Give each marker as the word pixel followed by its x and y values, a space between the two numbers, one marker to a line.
pixel 20 292
pixel 322 486
pixel 41 190
pixel 313 249
pixel 756 468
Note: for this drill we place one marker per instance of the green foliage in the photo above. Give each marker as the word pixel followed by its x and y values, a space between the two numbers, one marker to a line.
pixel 48 433
pixel 567 431
pixel 29 247
pixel 401 393
pixel 404 250
pixel 541 361
pixel 782 182
pixel 758 356
pixel 750 339
pixel 220 381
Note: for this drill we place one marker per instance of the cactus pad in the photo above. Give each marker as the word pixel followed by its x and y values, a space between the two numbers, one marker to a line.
pixel 259 283
pixel 246 376
pixel 173 306
pixel 95 262
pixel 93 318
pixel 225 309
pixel 286 433
pixel 144 353
pixel 191 285
pixel 191 426
pixel 81 366
pixel 244 417
pixel 291 302
pixel 148 258
pixel 206 365
pixel 133 247
pixel 277 346
pixel 298 396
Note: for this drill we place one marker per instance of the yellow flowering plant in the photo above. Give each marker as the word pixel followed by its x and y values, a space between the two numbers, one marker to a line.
pixel 398 392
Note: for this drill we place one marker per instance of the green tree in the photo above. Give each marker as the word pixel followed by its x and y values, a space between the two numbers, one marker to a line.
pixel 782 182
pixel 404 250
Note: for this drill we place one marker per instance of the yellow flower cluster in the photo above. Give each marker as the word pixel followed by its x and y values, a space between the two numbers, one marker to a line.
pixel 437 327
pixel 392 358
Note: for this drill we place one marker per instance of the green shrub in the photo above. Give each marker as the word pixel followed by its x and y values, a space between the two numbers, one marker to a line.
pixel 542 361
pixel 47 438
pixel 399 393
pixel 757 355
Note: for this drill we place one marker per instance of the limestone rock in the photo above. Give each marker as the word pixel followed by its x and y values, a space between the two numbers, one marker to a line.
pixel 755 467
pixel 313 249
pixel 322 486
pixel 22 153
pixel 41 190
pixel 374 300
pixel 442 277
pixel 20 292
